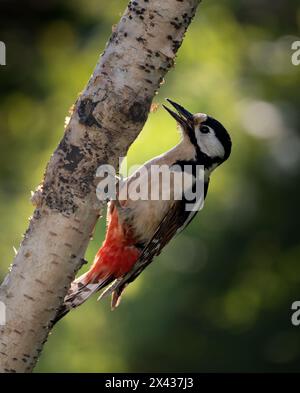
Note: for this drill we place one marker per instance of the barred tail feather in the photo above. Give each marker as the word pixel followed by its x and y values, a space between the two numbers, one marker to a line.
pixel 81 289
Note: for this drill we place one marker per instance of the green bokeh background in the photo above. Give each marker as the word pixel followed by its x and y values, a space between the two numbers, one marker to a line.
pixel 219 297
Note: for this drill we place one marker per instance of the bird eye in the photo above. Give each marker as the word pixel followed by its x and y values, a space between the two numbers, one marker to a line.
pixel 204 129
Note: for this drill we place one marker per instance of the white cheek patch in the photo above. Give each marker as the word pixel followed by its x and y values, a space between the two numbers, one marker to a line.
pixel 209 143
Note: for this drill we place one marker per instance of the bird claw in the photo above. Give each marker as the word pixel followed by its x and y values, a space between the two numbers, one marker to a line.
pixel 115 289
pixel 109 290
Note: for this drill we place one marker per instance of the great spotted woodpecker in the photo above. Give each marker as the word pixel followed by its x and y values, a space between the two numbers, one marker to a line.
pixel 137 230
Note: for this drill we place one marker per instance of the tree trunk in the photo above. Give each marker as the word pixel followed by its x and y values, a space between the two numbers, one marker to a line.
pixel 106 119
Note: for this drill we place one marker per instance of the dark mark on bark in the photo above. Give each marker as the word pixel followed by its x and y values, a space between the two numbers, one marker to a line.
pixel 138 111
pixel 85 113
pixel 28 297
pixel 176 45
pixel 39 281
pixel 87 180
pixel 141 39
pixel 73 158
pixel 37 214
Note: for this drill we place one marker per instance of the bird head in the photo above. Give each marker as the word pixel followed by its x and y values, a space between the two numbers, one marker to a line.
pixel 209 137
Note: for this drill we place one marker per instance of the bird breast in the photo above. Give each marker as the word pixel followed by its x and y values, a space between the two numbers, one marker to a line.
pixel 150 192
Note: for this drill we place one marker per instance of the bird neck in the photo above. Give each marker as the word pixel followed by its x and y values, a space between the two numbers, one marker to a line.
pixel 193 152
pixel 209 170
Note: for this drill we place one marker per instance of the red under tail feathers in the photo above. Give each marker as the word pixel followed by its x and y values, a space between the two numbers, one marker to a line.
pixel 114 259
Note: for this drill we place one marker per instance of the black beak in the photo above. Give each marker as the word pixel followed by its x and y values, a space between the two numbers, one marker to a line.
pixel 184 117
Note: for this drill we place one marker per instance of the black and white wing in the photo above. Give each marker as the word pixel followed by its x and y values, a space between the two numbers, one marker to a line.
pixel 176 219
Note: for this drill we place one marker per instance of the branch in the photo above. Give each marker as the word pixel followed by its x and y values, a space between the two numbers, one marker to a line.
pixel 106 119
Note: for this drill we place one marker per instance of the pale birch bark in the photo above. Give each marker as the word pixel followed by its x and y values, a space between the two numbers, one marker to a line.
pixel 107 117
